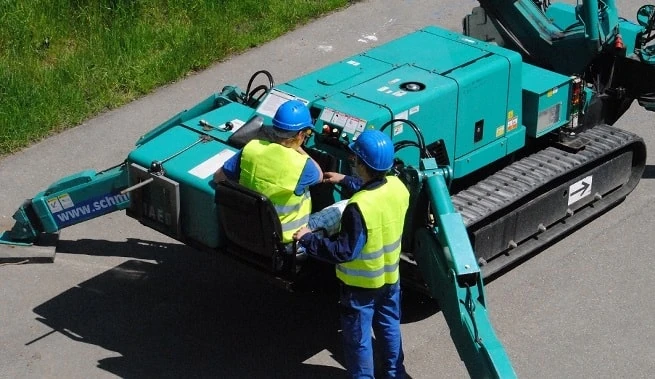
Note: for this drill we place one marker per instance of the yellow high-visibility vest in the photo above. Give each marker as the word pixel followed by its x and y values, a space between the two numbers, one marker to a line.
pixel 274 170
pixel 383 210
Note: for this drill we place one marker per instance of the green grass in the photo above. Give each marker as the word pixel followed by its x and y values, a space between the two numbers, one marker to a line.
pixel 63 61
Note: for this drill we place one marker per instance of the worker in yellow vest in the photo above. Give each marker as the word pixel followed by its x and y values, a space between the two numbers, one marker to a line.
pixel 280 168
pixel 366 252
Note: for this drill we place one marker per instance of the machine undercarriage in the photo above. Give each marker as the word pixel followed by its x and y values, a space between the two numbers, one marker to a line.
pixel 533 201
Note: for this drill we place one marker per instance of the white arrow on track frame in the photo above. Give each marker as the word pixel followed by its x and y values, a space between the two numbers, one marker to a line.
pixel 580 189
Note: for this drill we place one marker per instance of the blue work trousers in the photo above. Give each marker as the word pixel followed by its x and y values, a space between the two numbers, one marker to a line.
pixel 372 310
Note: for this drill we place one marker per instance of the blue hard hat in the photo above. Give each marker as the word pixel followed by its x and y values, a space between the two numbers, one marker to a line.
pixel 375 149
pixel 292 116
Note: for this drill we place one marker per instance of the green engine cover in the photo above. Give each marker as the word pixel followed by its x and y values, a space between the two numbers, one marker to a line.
pixel 465 96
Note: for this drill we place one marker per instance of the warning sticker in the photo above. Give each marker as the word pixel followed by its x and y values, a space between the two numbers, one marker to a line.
pixel 54 205
pixel 66 201
pixel 349 123
pixel 353 124
pixel 500 131
pixel 59 203
pixel 327 114
pixel 398 125
pixel 274 99
pixel 339 119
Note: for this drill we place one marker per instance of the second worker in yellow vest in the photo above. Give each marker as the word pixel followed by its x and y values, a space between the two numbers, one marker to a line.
pixel 366 253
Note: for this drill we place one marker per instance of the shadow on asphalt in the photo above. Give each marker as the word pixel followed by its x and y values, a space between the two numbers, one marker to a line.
pixel 649 172
pixel 192 315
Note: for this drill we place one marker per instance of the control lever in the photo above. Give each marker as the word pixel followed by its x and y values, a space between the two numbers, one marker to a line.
pixel 207 126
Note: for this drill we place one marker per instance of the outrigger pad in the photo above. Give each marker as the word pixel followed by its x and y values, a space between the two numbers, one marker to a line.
pixel 43 252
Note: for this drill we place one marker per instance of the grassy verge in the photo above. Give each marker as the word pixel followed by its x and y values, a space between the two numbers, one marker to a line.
pixel 63 61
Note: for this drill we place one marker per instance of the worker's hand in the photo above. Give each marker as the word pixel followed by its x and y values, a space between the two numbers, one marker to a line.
pixel 301 232
pixel 332 177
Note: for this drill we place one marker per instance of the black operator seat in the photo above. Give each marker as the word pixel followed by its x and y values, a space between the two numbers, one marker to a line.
pixel 252 227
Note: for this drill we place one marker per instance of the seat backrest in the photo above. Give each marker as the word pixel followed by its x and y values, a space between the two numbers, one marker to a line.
pixel 248 218
pixel 252 129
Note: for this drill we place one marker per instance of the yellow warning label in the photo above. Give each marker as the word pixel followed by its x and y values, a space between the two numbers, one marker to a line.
pixel 512 124
pixel 500 131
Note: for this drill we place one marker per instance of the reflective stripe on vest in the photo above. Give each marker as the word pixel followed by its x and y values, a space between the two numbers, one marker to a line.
pixel 274 170
pixel 383 210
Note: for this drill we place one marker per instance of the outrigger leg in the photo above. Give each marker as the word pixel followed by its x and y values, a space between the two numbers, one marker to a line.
pixel 71 200
pixel 448 265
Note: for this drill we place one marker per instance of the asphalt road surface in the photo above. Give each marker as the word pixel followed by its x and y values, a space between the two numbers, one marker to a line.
pixel 122 300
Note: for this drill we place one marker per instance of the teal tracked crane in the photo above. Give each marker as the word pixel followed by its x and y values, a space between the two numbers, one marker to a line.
pixel 502 135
